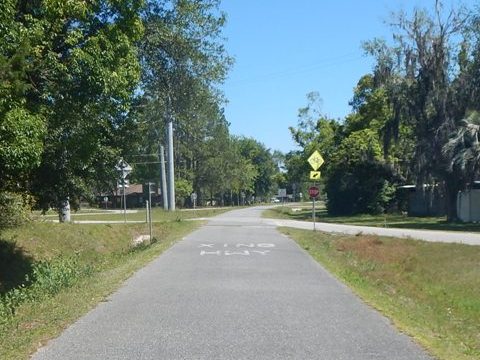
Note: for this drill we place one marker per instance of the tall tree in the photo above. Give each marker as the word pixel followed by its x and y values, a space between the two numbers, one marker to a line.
pixel 216 163
pixel 359 180
pixel 463 149
pixel 419 71
pixel 183 61
pixel 22 127
pixel 314 131
pixel 80 76
pixel 262 160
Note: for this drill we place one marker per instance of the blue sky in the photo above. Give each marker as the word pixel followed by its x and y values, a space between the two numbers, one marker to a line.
pixel 285 49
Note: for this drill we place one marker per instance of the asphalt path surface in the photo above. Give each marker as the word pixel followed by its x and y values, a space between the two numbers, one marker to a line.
pixel 234 289
pixel 459 237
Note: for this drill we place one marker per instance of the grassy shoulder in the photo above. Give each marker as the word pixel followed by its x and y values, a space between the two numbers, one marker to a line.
pixel 303 212
pixel 429 290
pixel 158 214
pixel 66 269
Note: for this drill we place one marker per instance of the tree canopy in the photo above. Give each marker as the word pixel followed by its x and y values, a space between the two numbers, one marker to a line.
pixel 413 118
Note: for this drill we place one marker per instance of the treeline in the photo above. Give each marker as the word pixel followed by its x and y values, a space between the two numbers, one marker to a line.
pixel 415 119
pixel 85 83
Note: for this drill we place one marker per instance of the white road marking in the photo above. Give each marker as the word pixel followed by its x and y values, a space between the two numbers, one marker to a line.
pixel 218 253
pixel 243 253
pixel 237 252
pixel 265 252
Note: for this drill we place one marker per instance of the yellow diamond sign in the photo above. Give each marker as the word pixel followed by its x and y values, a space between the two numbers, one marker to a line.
pixel 316 160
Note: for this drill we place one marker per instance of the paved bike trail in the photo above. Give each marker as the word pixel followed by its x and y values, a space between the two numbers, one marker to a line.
pixel 234 289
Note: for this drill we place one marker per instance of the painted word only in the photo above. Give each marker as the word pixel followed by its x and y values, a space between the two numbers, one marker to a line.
pixel 236 249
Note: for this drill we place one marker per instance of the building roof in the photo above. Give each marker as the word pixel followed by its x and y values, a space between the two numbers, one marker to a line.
pixel 132 189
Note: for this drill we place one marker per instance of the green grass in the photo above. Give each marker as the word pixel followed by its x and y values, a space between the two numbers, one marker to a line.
pixel 429 290
pixel 158 215
pixel 304 213
pixel 80 265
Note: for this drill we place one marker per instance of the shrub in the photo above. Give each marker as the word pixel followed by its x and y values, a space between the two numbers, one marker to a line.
pixel 365 187
pixel 47 278
pixel 183 189
pixel 15 209
pixel 358 179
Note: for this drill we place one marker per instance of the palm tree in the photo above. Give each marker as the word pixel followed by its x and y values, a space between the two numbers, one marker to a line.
pixel 463 148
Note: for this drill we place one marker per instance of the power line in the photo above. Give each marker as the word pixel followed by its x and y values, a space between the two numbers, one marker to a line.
pixel 141 155
pixel 302 69
pixel 145 163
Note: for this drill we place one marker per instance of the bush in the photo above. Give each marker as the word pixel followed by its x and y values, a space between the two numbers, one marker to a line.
pixel 365 188
pixel 358 179
pixel 15 209
pixel 183 189
pixel 47 278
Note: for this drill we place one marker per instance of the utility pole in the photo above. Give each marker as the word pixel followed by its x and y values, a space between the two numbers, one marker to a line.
pixel 171 175
pixel 163 178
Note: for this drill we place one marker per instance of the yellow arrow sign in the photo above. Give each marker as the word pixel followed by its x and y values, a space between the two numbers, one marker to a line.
pixel 316 160
pixel 315 175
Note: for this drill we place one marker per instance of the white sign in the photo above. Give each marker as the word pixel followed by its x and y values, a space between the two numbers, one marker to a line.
pixel 123 168
pixel 282 193
pixel 123 183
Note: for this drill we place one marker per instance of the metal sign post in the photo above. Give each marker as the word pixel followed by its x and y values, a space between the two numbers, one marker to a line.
pixel 124 169
pixel 146 211
pixel 149 218
pixel 313 212
pixel 316 161
pixel 150 210
pixel 150 197
pixel 124 202
pixel 150 221
pixel 313 191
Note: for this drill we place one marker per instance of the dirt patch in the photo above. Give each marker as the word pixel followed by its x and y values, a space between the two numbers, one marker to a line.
pixel 31 325
pixel 372 248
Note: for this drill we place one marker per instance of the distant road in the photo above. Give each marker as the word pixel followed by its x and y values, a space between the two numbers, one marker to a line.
pixel 234 289
pixel 460 237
